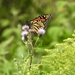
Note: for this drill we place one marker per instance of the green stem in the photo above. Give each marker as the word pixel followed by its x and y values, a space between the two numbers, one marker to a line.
pixel 30 52
pixel 36 41
pixel 30 48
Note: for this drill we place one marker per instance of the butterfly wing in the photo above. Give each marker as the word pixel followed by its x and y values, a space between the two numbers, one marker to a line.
pixel 43 18
pixel 36 25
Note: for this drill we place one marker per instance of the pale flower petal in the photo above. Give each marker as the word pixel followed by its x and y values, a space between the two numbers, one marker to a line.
pixel 41 31
pixel 25 27
pixel 22 38
pixel 24 33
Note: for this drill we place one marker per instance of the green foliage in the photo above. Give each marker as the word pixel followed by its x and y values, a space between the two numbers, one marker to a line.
pixel 58 61
pixel 61 60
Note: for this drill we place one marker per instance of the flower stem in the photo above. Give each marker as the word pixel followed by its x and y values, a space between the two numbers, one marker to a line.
pixel 30 47
pixel 30 51
pixel 36 41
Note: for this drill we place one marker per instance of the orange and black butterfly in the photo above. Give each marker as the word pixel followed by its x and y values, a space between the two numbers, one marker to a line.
pixel 39 22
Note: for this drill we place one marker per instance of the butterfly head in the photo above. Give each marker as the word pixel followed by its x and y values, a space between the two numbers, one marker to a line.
pixel 47 16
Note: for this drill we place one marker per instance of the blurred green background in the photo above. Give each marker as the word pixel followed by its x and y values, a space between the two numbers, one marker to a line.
pixel 15 13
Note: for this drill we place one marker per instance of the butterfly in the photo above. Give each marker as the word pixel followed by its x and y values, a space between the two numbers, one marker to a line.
pixel 39 22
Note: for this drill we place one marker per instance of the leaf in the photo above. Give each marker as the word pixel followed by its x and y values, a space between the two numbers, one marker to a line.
pixel 4 22
pixel 55 32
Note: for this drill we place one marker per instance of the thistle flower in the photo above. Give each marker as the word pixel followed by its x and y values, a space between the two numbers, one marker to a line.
pixel 41 31
pixel 24 33
pixel 25 27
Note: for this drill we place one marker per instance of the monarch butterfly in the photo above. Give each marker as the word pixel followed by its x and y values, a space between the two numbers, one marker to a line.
pixel 39 22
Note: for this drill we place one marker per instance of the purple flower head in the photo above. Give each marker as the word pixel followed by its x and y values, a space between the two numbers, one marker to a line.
pixel 25 27
pixel 41 31
pixel 24 33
